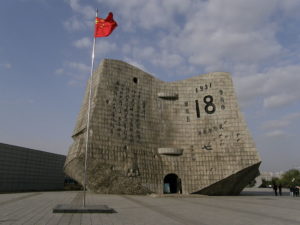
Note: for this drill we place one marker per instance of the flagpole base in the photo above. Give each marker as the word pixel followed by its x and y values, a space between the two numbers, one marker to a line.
pixel 65 208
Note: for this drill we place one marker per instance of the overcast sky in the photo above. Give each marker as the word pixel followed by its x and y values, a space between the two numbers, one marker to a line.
pixel 45 57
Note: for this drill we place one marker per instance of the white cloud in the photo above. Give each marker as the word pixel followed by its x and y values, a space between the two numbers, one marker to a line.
pixel 76 72
pixel 136 64
pixel 281 123
pixel 238 36
pixel 167 60
pixel 290 7
pixel 281 126
pixel 150 54
pixel 87 11
pixel 35 1
pixel 148 14
pixel 213 35
pixel 6 65
pixel 249 87
pixel 83 43
pixel 59 71
pixel 276 87
pixel 221 34
pixel 73 24
pixel 275 124
pixel 293 116
pixel 78 66
pixel 104 47
pixel 83 18
pixel 206 32
pixel 279 100
pixel 31 101
pixel 126 49
pixel 275 133
pixel 73 83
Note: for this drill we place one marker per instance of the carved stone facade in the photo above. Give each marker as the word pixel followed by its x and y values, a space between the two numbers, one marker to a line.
pixel 147 135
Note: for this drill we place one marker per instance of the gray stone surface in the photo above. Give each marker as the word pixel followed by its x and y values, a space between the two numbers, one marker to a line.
pixel 252 207
pixel 136 119
pixel 24 169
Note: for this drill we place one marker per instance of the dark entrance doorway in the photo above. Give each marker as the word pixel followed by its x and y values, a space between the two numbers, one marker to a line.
pixel 172 184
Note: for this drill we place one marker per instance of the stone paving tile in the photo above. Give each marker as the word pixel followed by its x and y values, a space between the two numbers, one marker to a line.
pixel 86 219
pixel 145 210
pixel 8 198
pixel 21 209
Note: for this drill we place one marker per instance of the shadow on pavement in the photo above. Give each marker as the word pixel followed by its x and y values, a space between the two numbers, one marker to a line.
pixel 262 192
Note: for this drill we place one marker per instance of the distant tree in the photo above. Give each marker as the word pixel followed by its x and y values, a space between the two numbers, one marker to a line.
pixel 275 180
pixel 252 183
pixel 265 183
pixel 291 178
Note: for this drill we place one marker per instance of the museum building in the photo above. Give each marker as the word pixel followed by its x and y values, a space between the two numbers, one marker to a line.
pixel 151 136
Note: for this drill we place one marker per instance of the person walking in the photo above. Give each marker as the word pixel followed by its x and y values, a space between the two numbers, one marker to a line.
pixel 179 186
pixel 275 187
pixel 291 191
pixel 296 191
pixel 280 189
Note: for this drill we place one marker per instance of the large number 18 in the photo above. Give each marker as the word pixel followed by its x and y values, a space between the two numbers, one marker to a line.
pixel 210 107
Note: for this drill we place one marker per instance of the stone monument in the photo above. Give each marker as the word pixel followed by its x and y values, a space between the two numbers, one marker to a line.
pixel 150 136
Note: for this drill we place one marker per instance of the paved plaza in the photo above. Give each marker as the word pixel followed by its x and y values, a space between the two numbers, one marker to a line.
pixel 257 206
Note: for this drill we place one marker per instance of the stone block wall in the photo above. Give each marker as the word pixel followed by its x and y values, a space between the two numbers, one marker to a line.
pixel 24 169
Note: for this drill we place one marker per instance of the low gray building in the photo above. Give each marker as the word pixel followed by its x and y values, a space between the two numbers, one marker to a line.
pixel 24 169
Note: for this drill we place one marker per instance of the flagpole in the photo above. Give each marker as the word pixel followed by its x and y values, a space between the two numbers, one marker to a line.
pixel 88 120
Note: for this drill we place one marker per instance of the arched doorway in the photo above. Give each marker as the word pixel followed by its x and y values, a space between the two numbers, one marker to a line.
pixel 172 184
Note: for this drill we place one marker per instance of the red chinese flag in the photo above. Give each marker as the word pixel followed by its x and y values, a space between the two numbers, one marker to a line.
pixel 104 27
